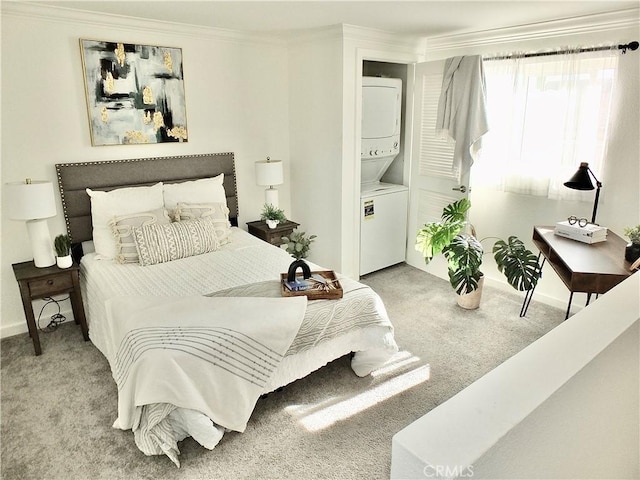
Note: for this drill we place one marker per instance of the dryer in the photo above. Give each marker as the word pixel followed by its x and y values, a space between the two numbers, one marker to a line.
pixel 383 206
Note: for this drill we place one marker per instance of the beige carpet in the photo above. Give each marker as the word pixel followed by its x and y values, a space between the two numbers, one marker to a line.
pixel 57 409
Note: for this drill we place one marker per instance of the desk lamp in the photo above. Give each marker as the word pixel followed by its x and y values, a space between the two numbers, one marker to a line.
pixel 582 181
pixel 34 202
pixel 269 173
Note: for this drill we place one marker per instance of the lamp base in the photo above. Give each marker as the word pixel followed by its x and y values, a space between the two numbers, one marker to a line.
pixel 41 245
pixel 271 196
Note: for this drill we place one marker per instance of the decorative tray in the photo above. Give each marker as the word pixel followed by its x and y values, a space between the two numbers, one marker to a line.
pixel 322 284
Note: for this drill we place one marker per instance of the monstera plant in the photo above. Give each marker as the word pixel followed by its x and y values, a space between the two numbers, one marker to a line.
pixel 456 239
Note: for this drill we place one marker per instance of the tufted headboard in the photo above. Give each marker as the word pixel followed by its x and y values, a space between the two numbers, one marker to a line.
pixel 74 178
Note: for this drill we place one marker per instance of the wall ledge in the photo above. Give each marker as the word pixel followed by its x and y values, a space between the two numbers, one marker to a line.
pixel 457 433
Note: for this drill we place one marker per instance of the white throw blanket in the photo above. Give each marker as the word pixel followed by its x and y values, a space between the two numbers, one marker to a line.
pixel 462 111
pixel 208 355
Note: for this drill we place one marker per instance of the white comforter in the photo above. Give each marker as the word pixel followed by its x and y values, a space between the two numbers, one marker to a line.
pixel 247 268
pixel 209 355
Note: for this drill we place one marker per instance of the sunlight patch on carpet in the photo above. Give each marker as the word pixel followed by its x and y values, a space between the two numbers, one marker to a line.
pixel 329 415
pixel 398 362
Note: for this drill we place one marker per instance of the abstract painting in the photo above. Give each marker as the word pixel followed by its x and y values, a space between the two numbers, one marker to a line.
pixel 135 93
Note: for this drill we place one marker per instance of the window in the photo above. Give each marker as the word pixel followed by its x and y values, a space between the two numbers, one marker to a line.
pixel 546 115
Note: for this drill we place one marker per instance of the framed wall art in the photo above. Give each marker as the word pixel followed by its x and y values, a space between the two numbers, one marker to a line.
pixel 135 93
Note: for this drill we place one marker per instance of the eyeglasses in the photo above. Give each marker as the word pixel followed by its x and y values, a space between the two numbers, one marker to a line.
pixel 580 221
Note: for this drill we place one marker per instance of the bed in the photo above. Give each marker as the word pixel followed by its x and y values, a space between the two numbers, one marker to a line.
pixel 195 332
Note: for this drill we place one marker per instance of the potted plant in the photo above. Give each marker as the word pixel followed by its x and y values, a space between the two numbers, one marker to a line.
pixel 456 239
pixel 62 245
pixel 632 251
pixel 272 215
pixel 298 245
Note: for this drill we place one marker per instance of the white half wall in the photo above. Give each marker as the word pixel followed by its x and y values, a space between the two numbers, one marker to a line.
pixel 565 407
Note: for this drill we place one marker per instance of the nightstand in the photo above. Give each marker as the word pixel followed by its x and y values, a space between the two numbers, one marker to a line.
pixel 45 282
pixel 273 236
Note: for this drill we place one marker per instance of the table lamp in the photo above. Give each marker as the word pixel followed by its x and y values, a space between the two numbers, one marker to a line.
pixel 34 202
pixel 582 181
pixel 269 173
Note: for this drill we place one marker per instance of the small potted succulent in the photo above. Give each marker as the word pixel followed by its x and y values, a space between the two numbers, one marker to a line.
pixel 272 215
pixel 632 252
pixel 298 246
pixel 62 245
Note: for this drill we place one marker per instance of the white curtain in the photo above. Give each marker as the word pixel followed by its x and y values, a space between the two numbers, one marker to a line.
pixel 547 114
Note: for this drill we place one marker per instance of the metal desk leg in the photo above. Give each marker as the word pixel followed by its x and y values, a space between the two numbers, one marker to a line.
pixel 569 306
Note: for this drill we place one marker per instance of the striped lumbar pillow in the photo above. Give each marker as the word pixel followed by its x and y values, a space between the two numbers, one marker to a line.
pixel 163 243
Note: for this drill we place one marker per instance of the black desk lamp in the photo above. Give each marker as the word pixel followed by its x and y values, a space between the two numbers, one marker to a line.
pixel 582 181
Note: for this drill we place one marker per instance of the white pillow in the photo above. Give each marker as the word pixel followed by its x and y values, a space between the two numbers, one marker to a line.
pixel 122 227
pixel 205 190
pixel 217 212
pixel 122 201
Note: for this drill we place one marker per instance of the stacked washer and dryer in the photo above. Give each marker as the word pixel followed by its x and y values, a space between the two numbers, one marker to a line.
pixel 383 206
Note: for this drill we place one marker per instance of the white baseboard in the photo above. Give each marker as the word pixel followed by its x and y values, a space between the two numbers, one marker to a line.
pixel 20 327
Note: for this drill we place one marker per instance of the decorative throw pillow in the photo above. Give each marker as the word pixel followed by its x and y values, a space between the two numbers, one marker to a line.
pixel 122 227
pixel 205 190
pixel 217 212
pixel 159 243
pixel 122 201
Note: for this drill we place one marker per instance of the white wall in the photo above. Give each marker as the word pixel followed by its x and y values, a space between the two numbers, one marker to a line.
pixel 236 90
pixel 498 214
pixel 315 113
pixel 567 406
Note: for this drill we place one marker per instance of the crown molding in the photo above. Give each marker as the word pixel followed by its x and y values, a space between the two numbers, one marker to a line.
pixel 71 16
pixel 384 38
pixel 610 21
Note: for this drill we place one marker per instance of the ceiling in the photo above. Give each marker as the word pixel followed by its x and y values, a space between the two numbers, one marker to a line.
pixel 424 18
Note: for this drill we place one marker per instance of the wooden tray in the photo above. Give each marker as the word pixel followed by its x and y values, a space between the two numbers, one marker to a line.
pixel 334 292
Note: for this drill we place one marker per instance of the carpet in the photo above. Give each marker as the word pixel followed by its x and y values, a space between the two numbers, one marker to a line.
pixel 57 409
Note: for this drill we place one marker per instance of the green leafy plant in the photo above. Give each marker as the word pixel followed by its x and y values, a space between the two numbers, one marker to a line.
pixel 456 239
pixel 632 233
pixel 269 212
pixel 62 244
pixel 298 244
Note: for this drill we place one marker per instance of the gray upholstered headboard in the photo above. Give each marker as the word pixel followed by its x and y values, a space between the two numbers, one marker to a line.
pixel 74 178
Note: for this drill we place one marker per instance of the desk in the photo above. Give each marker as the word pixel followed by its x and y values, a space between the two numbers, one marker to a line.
pixel 586 268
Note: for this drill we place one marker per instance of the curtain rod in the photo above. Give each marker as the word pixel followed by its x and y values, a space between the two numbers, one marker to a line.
pixel 624 47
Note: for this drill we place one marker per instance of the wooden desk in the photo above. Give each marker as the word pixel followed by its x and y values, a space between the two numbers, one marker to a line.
pixel 587 268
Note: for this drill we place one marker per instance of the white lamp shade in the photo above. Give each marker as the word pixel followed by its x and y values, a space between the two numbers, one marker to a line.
pixel 30 201
pixel 269 172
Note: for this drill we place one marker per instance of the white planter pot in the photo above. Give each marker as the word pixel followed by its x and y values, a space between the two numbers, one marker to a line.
pixel 471 301
pixel 272 223
pixel 64 262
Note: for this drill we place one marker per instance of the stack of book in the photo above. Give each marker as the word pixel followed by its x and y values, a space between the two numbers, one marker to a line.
pixel 588 234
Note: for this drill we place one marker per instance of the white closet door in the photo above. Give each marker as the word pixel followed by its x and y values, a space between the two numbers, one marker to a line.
pixel 433 184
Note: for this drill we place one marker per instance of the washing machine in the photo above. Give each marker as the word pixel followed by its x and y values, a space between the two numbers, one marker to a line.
pixel 383 227
pixel 383 206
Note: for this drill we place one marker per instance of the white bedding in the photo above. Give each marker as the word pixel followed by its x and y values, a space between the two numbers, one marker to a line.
pixel 246 267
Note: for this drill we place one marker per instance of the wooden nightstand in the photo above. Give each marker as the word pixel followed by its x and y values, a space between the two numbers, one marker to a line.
pixel 45 282
pixel 273 236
